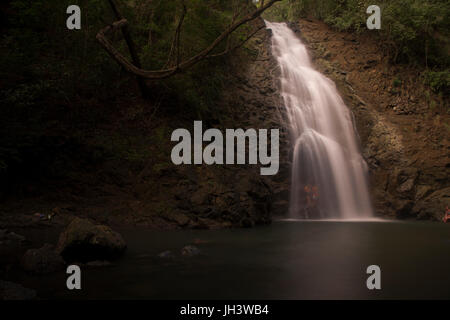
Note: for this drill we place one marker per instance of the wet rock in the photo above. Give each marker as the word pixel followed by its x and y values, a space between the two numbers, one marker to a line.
pixel 404 209
pixel 443 194
pixel 200 197
pixel 190 251
pixel 83 241
pixel 166 255
pixel 11 246
pixel 200 241
pixel 212 213
pixel 184 204
pixel 15 237
pixel 99 264
pixel 281 195
pixel 178 217
pixel 209 224
pixel 435 204
pixel 294 26
pixel 217 197
pixel 42 261
pixel 14 291
pixel 407 186
pixel 247 223
pixel 425 212
pixel 10 237
pixel 423 191
pixel 280 208
pixel 11 250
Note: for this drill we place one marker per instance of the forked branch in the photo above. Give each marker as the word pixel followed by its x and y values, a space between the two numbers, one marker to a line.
pixel 180 65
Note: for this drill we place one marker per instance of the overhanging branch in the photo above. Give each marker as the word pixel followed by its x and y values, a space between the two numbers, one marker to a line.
pixel 165 73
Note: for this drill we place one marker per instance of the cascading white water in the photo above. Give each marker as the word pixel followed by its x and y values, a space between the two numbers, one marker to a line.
pixel 329 175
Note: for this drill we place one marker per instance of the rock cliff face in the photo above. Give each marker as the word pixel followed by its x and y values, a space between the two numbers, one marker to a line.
pixel 156 193
pixel 225 196
pixel 256 103
pixel 404 142
pixel 221 196
pixel 404 138
pixel 403 132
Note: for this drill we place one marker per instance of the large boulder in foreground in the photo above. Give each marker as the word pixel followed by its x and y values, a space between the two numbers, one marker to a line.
pixel 83 241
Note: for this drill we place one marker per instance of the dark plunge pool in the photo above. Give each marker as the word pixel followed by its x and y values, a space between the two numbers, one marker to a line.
pixel 286 260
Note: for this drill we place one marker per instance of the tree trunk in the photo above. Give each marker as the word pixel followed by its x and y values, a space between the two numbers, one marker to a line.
pixel 133 53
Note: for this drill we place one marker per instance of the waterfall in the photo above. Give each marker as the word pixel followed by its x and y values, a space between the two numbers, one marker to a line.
pixel 329 174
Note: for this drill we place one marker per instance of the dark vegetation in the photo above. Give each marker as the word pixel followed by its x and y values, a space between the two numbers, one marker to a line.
pixel 415 32
pixel 67 107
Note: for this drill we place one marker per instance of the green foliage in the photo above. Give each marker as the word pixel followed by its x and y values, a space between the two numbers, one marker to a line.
pixel 196 90
pixel 45 68
pixel 418 31
pixel 415 31
pixel 412 31
pixel 439 81
pixel 347 15
pixel 396 82
pixel 61 85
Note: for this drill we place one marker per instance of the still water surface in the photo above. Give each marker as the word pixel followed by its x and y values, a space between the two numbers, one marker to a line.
pixel 286 260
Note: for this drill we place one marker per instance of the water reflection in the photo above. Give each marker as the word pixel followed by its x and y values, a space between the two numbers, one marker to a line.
pixel 288 260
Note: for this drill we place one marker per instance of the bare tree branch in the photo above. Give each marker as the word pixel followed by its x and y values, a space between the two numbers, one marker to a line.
pixel 233 19
pixel 165 73
pixel 176 37
pixel 178 32
pixel 131 47
pixel 228 50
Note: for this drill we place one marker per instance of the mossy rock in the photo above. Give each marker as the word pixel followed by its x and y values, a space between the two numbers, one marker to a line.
pixel 83 241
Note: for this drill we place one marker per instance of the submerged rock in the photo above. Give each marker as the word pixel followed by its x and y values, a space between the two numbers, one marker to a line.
pixel 166 255
pixel 10 237
pixel 15 237
pixel 14 291
pixel 190 251
pixel 98 264
pixel 83 241
pixel 42 261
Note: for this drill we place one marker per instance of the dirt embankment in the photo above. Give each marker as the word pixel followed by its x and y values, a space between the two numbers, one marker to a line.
pixel 403 127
